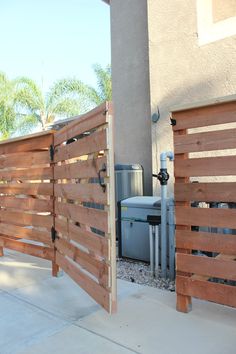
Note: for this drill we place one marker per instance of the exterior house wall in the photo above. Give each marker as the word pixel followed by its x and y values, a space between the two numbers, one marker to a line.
pixel 130 82
pixel 183 67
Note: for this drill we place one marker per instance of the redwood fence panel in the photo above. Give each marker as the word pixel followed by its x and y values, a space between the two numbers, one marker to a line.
pixel 84 204
pixel 26 195
pixel 205 233
pixel 57 201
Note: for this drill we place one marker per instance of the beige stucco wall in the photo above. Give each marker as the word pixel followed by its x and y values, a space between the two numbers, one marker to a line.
pixel 130 80
pixel 181 69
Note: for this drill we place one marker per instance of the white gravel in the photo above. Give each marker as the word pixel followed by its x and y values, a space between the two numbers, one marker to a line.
pixel 139 272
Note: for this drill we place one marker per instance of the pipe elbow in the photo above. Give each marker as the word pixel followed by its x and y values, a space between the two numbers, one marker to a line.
pixel 167 154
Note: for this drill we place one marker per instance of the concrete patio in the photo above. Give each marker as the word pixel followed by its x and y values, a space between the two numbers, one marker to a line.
pixel 40 314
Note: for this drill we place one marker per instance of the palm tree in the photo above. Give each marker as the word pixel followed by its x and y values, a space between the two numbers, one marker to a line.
pixel 87 94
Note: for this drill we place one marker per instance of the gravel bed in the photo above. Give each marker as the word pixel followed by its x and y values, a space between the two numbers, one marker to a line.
pixel 139 272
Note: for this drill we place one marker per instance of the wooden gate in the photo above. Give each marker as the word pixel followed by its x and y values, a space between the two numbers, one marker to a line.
pixel 26 192
pixel 58 189
pixel 205 232
pixel 84 204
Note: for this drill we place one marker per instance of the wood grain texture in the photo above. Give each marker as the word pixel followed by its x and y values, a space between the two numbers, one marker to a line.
pixel 206 241
pixel 212 217
pixel 95 142
pixel 82 124
pixel 205 141
pixel 30 204
pixel 26 233
pixel 26 188
pixel 26 174
pixel 25 159
pixel 206 192
pixel 210 266
pixel 99 245
pixel 96 291
pixel 206 166
pixel 205 116
pixel 87 216
pixel 89 192
pixel 81 169
pixel 24 219
pixel 219 293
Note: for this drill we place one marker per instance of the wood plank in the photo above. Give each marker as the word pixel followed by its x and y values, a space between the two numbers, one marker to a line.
pixel 207 166
pixel 93 242
pixel 87 216
pixel 205 290
pixel 27 248
pixel 205 141
pixel 201 265
pixel 27 143
pixel 82 124
pixel 205 116
pixel 27 188
pixel 206 241
pixel 96 291
pixel 80 169
pixel 211 217
pixel 26 174
pixel 89 192
pixel 30 204
pixel 24 159
pixel 97 268
pixel 95 142
pixel 206 192
pixel 25 219
pixel 29 234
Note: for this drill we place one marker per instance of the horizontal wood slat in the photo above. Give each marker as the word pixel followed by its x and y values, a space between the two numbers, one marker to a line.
pixel 27 188
pixel 220 293
pixel 29 234
pixel 205 141
pixel 25 219
pixel 26 174
pixel 91 120
pixel 27 159
pixel 94 143
pixel 95 243
pixel 201 265
pixel 205 116
pixel 87 216
pixel 97 268
pixel 31 204
pixel 80 169
pixel 96 291
pixel 90 192
pixel 212 217
pixel 207 166
pixel 31 249
pixel 35 142
pixel 208 192
pixel 206 241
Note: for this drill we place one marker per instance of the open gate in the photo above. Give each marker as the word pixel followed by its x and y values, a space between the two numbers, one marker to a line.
pixel 67 203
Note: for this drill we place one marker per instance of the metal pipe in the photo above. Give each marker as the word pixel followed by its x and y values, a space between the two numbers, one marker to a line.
pixel 151 249
pixel 163 180
pixel 171 233
pixel 156 249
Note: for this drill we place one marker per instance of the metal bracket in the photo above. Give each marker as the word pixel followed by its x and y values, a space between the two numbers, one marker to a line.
pixel 52 152
pixel 103 169
pixel 172 121
pixel 53 234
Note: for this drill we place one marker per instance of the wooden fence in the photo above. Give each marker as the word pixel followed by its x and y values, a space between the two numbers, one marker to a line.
pixel 58 189
pixel 26 192
pixel 205 233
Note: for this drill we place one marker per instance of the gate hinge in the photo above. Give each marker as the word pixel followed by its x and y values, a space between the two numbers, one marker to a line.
pixel 172 121
pixel 53 234
pixel 52 152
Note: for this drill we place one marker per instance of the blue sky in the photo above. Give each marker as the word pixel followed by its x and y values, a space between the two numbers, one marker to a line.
pixel 54 39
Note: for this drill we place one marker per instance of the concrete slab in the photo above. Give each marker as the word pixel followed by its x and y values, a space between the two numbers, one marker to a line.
pixel 21 325
pixel 16 272
pixel 75 340
pixel 148 322
pixel 40 314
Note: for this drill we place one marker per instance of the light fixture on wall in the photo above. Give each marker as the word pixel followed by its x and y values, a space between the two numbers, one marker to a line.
pixel 156 116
